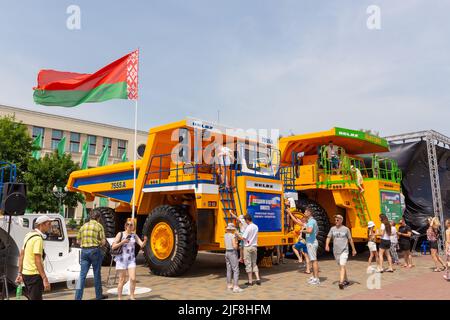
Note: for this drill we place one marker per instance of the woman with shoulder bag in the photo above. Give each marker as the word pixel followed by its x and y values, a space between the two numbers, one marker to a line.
pixel 123 248
pixel 432 237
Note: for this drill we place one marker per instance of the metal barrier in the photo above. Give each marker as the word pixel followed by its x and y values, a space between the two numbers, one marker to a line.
pixel 180 166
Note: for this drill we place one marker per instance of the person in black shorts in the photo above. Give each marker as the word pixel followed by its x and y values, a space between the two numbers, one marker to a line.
pixel 385 244
pixel 404 240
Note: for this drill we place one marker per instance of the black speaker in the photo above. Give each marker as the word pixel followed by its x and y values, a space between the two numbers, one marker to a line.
pixel 14 199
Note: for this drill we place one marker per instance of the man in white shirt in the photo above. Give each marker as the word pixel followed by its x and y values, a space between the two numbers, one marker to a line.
pixel 224 160
pixel 250 237
pixel 242 226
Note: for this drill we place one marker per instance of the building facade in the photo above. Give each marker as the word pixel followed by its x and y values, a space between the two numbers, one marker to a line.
pixel 76 132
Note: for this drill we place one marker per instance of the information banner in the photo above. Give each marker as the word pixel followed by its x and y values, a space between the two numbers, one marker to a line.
pixel 265 209
pixel 391 205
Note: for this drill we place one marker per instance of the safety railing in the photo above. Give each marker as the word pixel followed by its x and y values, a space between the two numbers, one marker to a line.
pixel 381 168
pixel 179 169
pixel 385 169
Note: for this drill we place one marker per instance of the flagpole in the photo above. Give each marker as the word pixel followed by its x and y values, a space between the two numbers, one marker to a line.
pixel 134 159
pixel 133 211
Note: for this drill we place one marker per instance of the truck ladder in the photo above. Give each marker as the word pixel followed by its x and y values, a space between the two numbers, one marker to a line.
pixel 361 207
pixel 228 203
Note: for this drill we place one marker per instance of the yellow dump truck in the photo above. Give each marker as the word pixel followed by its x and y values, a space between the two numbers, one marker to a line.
pixel 340 171
pixel 181 204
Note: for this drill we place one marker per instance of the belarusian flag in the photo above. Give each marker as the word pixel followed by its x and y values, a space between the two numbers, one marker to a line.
pixel 118 80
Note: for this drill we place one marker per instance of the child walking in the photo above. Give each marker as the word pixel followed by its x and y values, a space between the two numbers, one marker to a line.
pixel 371 232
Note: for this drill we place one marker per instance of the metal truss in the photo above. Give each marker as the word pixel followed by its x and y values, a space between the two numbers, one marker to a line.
pixel 432 139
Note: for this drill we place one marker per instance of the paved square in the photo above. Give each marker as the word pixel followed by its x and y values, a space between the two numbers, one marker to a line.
pixel 206 280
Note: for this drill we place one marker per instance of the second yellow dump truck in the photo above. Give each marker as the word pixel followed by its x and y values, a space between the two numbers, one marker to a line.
pixel 342 171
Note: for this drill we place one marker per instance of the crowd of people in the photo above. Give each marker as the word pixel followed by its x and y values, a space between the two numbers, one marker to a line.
pixel 393 242
pixel 241 244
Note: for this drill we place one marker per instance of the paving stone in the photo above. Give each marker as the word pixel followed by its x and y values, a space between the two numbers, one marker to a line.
pixel 206 280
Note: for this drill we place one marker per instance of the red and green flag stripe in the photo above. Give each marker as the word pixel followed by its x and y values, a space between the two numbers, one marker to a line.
pixel 118 80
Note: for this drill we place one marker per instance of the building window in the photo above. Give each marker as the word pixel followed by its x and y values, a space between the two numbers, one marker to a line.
pixel 56 138
pixel 38 131
pixel 92 144
pixel 70 213
pixel 107 142
pixel 74 142
pixel 121 148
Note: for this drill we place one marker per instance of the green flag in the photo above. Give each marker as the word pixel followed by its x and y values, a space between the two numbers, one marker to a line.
pixel 37 144
pixel 124 156
pixel 61 146
pixel 85 155
pixel 103 202
pixel 85 213
pixel 103 160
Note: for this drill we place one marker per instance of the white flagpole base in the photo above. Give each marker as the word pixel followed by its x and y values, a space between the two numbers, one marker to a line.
pixel 126 290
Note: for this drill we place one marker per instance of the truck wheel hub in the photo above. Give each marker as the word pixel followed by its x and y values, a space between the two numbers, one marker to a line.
pixel 162 240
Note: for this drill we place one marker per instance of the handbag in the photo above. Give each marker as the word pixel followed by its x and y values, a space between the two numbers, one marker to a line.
pixel 118 251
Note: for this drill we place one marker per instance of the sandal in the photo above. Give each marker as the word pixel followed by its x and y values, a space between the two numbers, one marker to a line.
pixel 437 270
pixel 390 270
pixel 307 272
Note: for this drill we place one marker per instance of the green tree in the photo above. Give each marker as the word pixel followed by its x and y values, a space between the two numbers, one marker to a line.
pixel 45 173
pixel 16 144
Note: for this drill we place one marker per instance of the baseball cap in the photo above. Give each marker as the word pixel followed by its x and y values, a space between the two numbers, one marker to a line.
pixel 231 226
pixel 43 219
pixel 370 224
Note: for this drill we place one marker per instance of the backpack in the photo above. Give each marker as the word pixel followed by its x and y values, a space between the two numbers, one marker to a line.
pixel 35 235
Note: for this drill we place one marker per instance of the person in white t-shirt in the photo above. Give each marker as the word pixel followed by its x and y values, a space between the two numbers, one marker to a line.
pixel 224 159
pixel 385 244
pixel 250 237
pixel 358 178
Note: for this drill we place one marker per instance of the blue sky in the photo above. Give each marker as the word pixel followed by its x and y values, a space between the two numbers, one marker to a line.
pixel 298 66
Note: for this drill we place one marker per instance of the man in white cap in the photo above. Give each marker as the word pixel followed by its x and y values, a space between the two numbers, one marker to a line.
pixel 31 265
pixel 224 160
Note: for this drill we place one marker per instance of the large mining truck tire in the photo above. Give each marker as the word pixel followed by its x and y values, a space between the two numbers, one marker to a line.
pixel 321 216
pixel 107 220
pixel 171 248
